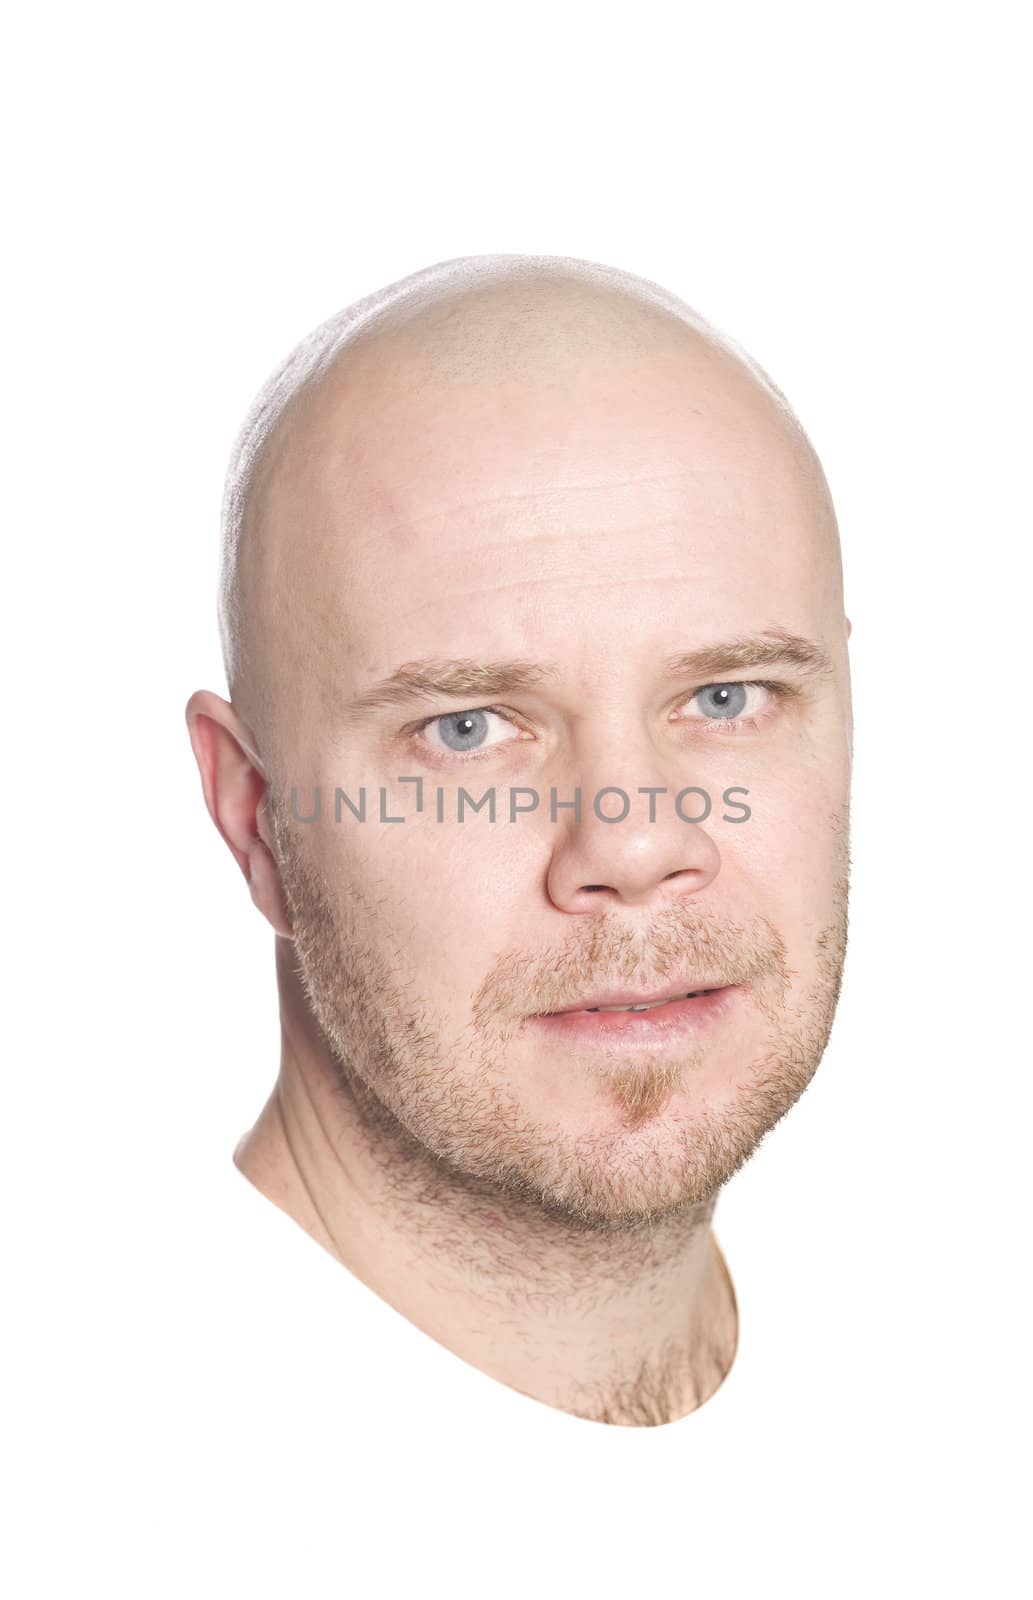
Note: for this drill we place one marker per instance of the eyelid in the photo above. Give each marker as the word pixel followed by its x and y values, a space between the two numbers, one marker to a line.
pixel 775 688
pixel 460 711
pixel 439 753
pixel 780 688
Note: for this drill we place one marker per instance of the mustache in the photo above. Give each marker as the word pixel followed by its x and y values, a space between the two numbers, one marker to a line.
pixel 609 956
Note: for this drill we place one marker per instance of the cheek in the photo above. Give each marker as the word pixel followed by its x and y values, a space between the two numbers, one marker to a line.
pixel 792 851
pixel 447 900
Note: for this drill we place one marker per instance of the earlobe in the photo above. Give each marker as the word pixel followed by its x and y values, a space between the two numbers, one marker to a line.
pixel 267 890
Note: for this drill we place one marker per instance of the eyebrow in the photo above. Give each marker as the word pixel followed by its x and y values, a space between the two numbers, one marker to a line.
pixel 436 677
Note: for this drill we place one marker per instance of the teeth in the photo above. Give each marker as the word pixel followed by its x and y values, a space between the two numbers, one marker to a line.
pixel 653 1005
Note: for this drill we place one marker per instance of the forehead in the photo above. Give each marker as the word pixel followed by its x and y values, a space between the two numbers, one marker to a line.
pixel 618 513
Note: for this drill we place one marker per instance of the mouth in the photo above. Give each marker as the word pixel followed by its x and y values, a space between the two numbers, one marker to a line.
pixel 613 1000
pixel 645 1021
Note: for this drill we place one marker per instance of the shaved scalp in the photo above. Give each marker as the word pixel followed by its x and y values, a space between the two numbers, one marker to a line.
pixel 478 320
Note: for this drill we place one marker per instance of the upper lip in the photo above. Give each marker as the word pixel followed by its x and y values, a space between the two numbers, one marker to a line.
pixel 627 997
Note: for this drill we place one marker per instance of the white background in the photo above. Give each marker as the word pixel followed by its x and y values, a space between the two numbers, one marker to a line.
pixel 842 189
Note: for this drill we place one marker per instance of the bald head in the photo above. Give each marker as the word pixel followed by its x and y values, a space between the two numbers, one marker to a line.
pixel 500 352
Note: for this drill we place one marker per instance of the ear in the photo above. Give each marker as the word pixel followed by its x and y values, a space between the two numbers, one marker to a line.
pixel 234 787
pixel 849 626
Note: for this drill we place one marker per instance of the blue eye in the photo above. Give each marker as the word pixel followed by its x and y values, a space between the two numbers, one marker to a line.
pixel 734 707
pixel 461 731
pixel 722 699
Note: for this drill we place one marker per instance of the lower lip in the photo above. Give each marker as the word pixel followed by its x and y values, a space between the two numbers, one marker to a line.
pixel 655 1028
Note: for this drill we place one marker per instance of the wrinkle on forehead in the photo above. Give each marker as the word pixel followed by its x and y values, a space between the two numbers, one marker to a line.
pixel 491 341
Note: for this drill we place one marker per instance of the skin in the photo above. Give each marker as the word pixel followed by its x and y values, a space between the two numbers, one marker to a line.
pixel 540 467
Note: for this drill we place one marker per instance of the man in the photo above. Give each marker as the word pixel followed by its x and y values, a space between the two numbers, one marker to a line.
pixel 539 707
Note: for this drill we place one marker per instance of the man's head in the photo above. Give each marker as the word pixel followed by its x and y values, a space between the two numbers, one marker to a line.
pixel 551 490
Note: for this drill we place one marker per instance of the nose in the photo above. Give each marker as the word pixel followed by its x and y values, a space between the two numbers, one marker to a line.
pixel 598 860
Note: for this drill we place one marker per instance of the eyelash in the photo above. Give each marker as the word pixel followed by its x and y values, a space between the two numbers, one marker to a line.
pixel 723 727
pixel 463 757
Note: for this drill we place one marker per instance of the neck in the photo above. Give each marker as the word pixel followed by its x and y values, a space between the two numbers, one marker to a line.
pixel 633 1327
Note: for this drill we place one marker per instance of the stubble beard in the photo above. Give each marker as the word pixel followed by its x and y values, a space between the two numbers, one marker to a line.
pixel 440 1116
